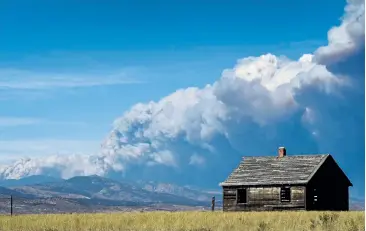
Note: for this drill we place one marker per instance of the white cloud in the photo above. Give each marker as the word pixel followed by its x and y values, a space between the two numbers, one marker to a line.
pixel 30 80
pixel 346 38
pixel 63 158
pixel 55 165
pixel 259 104
pixel 261 90
pixel 258 89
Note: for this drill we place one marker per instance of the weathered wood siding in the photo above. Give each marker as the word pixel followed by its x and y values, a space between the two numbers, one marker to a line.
pixel 229 198
pixel 263 198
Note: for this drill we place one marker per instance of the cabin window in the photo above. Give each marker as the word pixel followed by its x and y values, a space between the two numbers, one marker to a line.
pixel 285 194
pixel 241 195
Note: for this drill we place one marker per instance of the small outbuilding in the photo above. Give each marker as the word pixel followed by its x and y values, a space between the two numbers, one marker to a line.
pixel 286 182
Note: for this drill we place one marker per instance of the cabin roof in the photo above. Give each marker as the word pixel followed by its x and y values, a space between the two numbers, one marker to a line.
pixel 272 170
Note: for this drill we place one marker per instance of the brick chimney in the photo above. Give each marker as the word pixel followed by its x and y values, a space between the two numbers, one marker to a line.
pixel 281 152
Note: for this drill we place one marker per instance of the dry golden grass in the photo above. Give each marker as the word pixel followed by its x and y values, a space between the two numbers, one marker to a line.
pixel 192 221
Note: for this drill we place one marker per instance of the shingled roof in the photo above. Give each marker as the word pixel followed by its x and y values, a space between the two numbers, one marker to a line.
pixel 271 170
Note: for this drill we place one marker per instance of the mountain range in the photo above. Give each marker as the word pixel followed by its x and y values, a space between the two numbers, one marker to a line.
pixel 44 194
pixel 87 193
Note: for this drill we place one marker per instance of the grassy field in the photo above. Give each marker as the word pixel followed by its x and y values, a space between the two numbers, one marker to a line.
pixel 192 221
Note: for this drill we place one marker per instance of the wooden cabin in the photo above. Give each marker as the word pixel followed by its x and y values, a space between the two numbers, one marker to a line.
pixel 286 182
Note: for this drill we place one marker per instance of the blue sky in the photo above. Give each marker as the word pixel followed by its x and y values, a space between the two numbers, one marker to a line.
pixel 168 45
pixel 68 69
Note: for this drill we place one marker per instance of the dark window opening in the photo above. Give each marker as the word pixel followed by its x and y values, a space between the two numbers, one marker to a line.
pixel 241 196
pixel 285 194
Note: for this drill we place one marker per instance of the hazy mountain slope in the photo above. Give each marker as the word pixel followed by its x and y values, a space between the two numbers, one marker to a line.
pixel 184 191
pixel 6 192
pixel 95 188
pixel 357 204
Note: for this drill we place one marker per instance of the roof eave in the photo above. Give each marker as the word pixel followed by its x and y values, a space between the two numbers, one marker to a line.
pixel 224 184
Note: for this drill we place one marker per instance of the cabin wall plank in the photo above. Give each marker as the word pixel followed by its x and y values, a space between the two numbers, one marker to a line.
pixel 265 198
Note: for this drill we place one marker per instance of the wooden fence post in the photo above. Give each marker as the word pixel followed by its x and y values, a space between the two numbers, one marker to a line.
pixel 213 204
pixel 11 205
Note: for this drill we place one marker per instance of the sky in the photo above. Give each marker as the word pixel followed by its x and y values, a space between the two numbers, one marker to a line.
pixel 89 83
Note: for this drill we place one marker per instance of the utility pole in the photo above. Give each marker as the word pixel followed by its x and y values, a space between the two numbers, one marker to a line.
pixel 11 205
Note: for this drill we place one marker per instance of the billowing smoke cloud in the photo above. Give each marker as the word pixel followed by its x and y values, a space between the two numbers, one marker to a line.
pixel 196 136
pixel 348 38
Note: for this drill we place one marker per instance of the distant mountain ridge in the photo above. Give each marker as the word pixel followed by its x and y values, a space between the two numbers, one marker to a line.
pixel 357 204
pixel 99 190
pixel 7 192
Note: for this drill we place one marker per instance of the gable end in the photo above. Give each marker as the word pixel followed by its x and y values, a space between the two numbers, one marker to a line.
pixel 330 163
